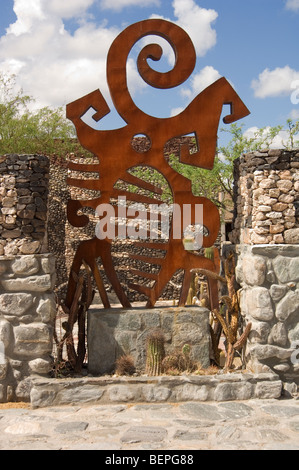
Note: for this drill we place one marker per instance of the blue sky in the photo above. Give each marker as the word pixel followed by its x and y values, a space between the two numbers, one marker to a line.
pixel 57 49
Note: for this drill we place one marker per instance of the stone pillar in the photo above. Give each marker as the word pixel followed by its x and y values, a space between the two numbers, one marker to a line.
pixel 266 235
pixel 27 314
pixel 27 275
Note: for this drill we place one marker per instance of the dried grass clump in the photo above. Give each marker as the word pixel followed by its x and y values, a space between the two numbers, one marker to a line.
pixel 124 365
pixel 212 370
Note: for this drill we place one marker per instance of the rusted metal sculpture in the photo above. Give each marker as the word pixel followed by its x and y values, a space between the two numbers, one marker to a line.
pixel 117 155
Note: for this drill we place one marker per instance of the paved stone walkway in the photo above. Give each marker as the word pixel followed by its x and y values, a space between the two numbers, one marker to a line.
pixel 248 425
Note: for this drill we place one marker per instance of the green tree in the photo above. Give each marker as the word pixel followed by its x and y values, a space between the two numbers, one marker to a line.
pixel 219 180
pixel 45 131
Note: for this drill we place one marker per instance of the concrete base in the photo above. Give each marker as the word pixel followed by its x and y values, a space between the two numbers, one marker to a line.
pixel 115 332
pixel 113 390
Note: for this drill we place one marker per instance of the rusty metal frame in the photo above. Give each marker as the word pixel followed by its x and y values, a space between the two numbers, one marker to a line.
pixel 116 155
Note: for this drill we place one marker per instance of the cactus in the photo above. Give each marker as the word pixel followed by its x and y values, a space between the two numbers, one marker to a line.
pixel 229 321
pixel 179 361
pixel 192 290
pixel 155 353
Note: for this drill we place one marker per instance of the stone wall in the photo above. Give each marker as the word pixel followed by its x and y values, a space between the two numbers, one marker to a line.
pixel 266 234
pixel 269 299
pixel 267 198
pixel 23 204
pixel 113 333
pixel 27 313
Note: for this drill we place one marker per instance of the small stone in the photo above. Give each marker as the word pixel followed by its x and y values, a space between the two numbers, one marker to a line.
pixel 254 270
pixel 277 291
pixel 9 210
pixel 6 334
pixel 48 264
pixel 291 236
pixel 285 186
pixel 266 390
pixel 259 332
pixel 267 184
pixel 286 198
pixel 260 216
pixel 267 351
pixel 279 207
pixel 11 233
pixel 184 435
pixel 144 434
pixel 281 367
pixel 33 340
pixel 259 239
pixel 233 391
pixel 278 335
pixel 8 201
pixel 274 229
pixel 273 215
pixel 40 366
pixel 287 306
pixel 15 304
pixel 263 208
pixel 274 153
pixel 285 175
pixel 25 265
pixel 278 238
pixel 30 247
pixel 274 192
pixel 257 303
pixel 31 283
pixel 290 212
pixel 26 428
pixel 71 427
pixel 47 309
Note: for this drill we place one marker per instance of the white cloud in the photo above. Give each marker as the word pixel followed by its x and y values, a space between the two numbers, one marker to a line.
pixel 292 5
pixel 68 9
pixel 197 22
pixel 176 111
pixel 52 65
pixel 275 82
pixel 56 66
pixel 200 81
pixel 118 5
pixel 294 114
pixel 27 12
pixel 281 140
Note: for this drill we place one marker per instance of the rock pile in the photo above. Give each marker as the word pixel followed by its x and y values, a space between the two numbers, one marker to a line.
pixel 23 204
pixel 267 198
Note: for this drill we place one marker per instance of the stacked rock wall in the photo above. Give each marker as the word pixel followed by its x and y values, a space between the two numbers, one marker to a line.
pixel 23 204
pixel 267 198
